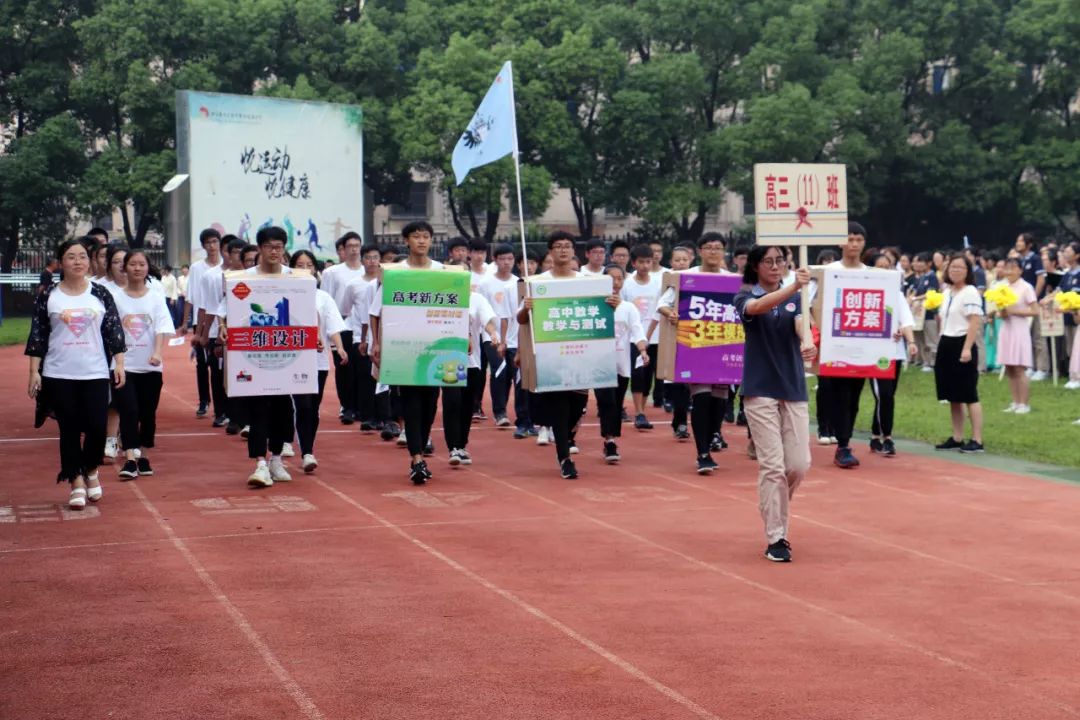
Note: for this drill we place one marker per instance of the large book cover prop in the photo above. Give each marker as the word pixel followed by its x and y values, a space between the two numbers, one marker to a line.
pixel 424 327
pixel 570 343
pixel 272 335
pixel 706 346
pixel 856 314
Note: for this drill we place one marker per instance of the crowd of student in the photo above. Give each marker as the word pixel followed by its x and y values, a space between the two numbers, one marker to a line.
pixel 97 336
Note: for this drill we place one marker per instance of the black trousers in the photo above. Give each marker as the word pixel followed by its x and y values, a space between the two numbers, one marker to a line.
pixel 563 409
pixel 271 423
pixel 609 401
pixel 238 411
pixel 706 419
pixel 345 375
pixel 822 401
pixel 418 406
pixel 306 408
pixel 500 386
pixel 524 418
pixel 885 402
pixel 457 405
pixel 843 406
pixel 217 379
pixel 202 375
pixel 476 382
pixel 80 407
pixel 678 394
pixel 137 402
pixel 365 387
pixel 641 378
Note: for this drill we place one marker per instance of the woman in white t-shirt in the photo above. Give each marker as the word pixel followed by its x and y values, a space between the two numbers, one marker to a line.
pixel 114 281
pixel 331 324
pixel 74 334
pixel 147 322
pixel 956 367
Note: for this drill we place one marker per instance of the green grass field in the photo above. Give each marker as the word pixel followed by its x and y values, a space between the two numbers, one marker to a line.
pixel 13 331
pixel 1046 435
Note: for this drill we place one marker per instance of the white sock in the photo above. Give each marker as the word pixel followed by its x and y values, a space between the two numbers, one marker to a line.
pixel 275 458
pixel 261 462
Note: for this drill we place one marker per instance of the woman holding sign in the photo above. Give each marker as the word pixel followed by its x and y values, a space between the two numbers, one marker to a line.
pixel 774 387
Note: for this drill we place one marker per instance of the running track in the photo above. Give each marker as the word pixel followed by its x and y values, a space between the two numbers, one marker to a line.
pixel 920 588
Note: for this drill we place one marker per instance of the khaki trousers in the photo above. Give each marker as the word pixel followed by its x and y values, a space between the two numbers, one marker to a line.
pixel 781 432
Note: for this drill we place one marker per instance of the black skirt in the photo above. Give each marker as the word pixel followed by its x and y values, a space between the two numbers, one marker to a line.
pixel 957 382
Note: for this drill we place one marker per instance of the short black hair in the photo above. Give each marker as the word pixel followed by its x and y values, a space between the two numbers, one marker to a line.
pixel 683 248
pixel 340 242
pixel 248 248
pixel 741 250
pixel 854 228
pixel 594 243
pixel 97 231
pixel 268 234
pixel 226 239
pixel 1014 261
pixel 478 244
pixel 712 237
pixel 826 256
pixel 925 256
pixel 417 226
pixel 641 252
pixel 370 247
pixel 456 242
pixel 615 244
pixel 502 249
pixel 558 235
pixel 209 234
pixel 68 244
pixel 753 259
pixel 236 244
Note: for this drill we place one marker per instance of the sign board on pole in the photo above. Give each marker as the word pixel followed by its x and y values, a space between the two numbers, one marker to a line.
pixel 858 320
pixel 706 346
pixel 424 330
pixel 800 204
pixel 571 334
pixel 272 335
pixel 1051 321
pixel 260 161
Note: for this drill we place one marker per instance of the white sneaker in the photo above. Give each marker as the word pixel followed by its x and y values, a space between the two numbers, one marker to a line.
pixel 1072 385
pixel 927 368
pixel 245 431
pixel 1038 376
pixel 1029 372
pixel 110 447
pixel 542 437
pixel 287 450
pixel 278 471
pixel 261 476
pixel 401 441
pixel 1076 422
pixel 1022 409
pixel 573 449
pixel 1011 409
pixel 833 440
pixel 310 463
pixel 455 457
pixel 466 458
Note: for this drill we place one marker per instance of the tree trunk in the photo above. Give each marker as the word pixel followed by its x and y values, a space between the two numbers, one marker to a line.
pixel 128 235
pixel 492 226
pixel 145 221
pixel 454 212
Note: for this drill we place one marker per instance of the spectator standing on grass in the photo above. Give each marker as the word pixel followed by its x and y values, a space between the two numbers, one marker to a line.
pixel 75 333
pixel 1014 349
pixel 774 387
pixel 145 318
pixel 956 372
pixel 1034 274
pixel 1070 281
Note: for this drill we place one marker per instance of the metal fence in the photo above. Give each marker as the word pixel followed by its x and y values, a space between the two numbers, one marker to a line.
pixel 33 259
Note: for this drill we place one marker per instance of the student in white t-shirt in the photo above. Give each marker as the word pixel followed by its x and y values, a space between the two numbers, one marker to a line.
pixel 354 308
pixel 114 281
pixel 478 269
pixel 331 326
pixel 147 323
pixel 336 281
pixel 628 331
pixel 210 239
pixel 75 333
pixel 642 290
pixel 501 290
pixel 595 254
pixel 676 395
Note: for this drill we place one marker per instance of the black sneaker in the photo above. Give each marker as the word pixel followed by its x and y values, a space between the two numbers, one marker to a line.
pixel 950 444
pixel 642 423
pixel 682 433
pixel 611 452
pixel 419 473
pixel 718 443
pixel 888 448
pixel 845 459
pixel 875 445
pixel 367 426
pixel 144 466
pixel 741 419
pixel 347 417
pixel 390 431
pixel 232 428
pixel 972 447
pixel 201 412
pixel 220 421
pixel 429 448
pixel 130 471
pixel 729 414
pixel 705 465
pixel 668 407
pixel 779 551
pixel 569 472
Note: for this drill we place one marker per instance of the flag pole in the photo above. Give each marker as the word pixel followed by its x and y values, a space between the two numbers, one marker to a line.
pixel 517 177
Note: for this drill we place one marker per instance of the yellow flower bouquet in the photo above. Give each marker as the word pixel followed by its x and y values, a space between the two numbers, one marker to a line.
pixel 1002 295
pixel 933 300
pixel 1069 301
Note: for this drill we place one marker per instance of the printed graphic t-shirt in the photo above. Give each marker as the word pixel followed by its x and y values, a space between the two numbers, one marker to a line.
pixel 143 319
pixel 76 350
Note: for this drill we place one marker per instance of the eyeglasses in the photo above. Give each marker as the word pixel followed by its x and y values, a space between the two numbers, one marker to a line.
pixel 712 248
pixel 562 246
pixel 773 262
pixel 274 247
